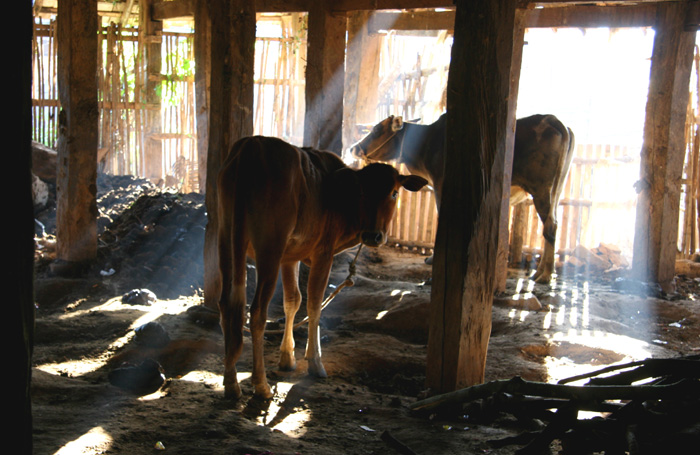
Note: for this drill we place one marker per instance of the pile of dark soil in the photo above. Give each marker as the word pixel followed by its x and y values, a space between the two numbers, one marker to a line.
pixel 147 236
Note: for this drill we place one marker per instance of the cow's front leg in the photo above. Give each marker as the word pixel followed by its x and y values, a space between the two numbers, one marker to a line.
pixel 292 301
pixel 318 281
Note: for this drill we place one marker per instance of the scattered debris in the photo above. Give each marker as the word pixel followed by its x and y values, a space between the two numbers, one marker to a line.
pixel 139 297
pixel 142 379
pixel 151 334
pixel 604 258
pixel 649 407
pixel 527 301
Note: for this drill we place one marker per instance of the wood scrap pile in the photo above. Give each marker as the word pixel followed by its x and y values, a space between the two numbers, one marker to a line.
pixel 605 257
pixel 645 407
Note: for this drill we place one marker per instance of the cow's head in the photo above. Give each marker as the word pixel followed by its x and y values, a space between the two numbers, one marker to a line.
pixel 369 196
pixel 380 143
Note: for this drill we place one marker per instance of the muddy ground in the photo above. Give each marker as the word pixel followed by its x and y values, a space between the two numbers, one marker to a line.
pixel 374 346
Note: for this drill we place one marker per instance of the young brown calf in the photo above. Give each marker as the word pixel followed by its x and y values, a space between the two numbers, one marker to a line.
pixel 280 204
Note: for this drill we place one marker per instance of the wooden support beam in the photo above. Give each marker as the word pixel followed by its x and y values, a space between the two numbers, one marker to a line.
pixel 76 205
pixel 361 75
pixel 202 54
pixel 475 160
pixel 656 231
pixel 151 34
pixel 501 272
pixel 412 20
pixel 21 304
pixel 230 104
pixel 325 76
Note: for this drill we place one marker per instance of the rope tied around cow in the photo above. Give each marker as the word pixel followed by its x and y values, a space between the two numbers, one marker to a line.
pixel 352 268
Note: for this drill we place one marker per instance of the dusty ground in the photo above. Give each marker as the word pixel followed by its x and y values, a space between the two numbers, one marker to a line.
pixel 375 337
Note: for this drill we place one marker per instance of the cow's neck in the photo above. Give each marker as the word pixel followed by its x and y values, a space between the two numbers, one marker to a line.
pixel 422 152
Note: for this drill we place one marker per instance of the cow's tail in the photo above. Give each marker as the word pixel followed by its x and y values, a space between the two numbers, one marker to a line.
pixel 232 242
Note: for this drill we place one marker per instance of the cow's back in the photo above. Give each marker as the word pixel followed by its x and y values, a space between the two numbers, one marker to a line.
pixel 276 190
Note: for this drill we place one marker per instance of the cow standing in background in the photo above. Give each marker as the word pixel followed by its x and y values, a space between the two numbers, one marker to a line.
pixel 542 154
pixel 280 204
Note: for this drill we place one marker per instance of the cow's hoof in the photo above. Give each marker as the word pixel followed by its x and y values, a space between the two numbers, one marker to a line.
pixel 541 278
pixel 232 391
pixel 263 391
pixel 316 369
pixel 287 362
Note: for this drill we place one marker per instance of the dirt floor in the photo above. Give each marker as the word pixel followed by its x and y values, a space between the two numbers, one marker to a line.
pixel 374 346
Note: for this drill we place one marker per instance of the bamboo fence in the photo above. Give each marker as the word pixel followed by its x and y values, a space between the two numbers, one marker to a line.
pixel 598 194
pixel 279 92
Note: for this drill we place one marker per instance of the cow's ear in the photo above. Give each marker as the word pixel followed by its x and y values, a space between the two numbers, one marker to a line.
pixel 397 123
pixel 412 182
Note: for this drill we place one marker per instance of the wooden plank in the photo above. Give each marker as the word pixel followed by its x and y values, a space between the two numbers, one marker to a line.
pixel 230 110
pixel 202 46
pixel 467 237
pixel 76 220
pixel 501 273
pixel 518 230
pixel 656 232
pixel 639 15
pixel 412 20
pixel 324 79
pixel 150 41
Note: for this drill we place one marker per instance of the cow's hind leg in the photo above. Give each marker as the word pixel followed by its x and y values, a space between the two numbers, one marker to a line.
pixel 545 210
pixel 267 267
pixel 292 301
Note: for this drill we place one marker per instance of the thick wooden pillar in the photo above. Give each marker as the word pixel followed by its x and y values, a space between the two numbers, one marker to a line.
pixel 325 76
pixel 476 152
pixel 656 231
pixel 361 76
pixel 76 205
pixel 151 36
pixel 518 43
pixel 232 61
pixel 202 53
pixel 21 230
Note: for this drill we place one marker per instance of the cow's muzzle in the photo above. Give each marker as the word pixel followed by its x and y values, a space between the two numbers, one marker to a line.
pixel 357 152
pixel 373 238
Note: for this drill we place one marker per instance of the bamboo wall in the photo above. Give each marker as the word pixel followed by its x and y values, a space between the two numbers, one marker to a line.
pixel 598 195
pixel 279 96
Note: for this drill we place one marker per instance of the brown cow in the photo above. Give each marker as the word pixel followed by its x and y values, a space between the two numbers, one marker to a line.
pixel 542 154
pixel 280 204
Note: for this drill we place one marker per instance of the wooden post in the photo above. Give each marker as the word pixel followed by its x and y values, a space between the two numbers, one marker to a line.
pixel 202 47
pixel 230 110
pixel 21 230
pixel 656 228
pixel 518 43
pixel 325 76
pixel 76 205
pixel 151 35
pixel 518 230
pixel 476 154
pixel 361 76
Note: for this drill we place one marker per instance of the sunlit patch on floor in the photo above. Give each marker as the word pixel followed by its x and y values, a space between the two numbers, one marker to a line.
pixel 286 412
pixel 97 440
